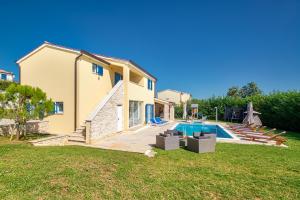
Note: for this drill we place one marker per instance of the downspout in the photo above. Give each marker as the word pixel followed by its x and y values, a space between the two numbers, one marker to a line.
pixel 75 92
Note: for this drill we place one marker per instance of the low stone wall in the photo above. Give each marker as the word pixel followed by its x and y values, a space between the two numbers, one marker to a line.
pixel 37 126
pixel 106 119
pixel 33 126
pixel 60 140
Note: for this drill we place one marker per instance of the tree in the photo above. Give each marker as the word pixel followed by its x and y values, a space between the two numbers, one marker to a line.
pixel 178 111
pixel 250 89
pixel 233 91
pixel 24 103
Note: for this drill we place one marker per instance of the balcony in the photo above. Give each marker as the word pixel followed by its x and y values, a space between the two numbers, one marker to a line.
pixel 136 78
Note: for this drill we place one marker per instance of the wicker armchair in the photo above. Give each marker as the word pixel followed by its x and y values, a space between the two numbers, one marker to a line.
pixel 202 144
pixel 167 142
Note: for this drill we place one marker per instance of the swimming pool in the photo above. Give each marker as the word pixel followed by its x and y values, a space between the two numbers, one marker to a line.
pixel 188 129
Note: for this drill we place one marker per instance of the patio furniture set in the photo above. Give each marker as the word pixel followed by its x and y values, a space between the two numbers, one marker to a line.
pixel 199 143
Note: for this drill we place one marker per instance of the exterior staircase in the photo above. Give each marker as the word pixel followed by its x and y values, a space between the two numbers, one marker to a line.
pixel 77 136
pixel 82 135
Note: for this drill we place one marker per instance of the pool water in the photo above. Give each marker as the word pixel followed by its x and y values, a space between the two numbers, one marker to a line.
pixel 189 129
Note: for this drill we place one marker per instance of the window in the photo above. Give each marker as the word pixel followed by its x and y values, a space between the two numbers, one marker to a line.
pixel 4 77
pixel 58 107
pixel 97 69
pixel 150 84
pixel 118 77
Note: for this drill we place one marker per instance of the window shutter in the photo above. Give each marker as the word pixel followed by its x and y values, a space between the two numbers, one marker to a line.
pixel 100 70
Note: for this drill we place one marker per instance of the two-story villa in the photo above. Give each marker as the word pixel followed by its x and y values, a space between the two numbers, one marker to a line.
pixel 93 94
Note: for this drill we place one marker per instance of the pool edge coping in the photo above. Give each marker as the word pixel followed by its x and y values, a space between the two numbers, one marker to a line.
pixel 234 137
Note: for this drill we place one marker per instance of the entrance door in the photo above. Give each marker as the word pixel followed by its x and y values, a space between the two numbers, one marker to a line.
pixel 149 112
pixel 120 118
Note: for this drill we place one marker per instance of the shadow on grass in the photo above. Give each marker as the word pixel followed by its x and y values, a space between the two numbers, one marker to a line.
pixel 293 135
pixel 29 136
pixel 33 136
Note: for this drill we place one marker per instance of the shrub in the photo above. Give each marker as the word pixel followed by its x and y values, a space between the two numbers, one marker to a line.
pixel 5 84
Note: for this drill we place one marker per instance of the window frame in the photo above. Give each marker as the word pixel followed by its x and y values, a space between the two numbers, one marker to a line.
pixel 97 69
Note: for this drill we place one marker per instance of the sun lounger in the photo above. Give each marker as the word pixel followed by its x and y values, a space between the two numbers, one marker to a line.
pixel 242 126
pixel 155 123
pixel 255 132
pixel 159 120
pixel 264 138
pixel 245 128
pixel 248 129
pixel 237 125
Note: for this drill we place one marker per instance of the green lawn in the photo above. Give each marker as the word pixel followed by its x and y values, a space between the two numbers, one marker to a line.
pixel 233 172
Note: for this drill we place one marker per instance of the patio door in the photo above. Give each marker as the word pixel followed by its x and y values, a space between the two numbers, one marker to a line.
pixel 149 112
pixel 134 113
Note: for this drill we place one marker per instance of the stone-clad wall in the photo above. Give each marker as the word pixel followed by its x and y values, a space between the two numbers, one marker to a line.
pixel 105 121
pixel 33 126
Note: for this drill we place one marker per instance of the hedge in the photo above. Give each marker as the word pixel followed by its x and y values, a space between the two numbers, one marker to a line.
pixel 279 109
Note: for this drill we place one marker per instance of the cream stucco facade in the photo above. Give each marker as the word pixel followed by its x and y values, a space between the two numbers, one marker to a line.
pixel 66 75
pixel 174 96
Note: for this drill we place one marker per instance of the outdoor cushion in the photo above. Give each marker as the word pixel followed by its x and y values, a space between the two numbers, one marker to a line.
pixel 198 134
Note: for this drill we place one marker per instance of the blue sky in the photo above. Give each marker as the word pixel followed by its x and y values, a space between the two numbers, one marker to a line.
pixel 202 47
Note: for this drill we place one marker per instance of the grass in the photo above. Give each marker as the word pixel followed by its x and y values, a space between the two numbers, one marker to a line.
pixel 71 172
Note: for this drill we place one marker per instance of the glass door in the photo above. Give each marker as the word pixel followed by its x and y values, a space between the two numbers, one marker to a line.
pixel 134 113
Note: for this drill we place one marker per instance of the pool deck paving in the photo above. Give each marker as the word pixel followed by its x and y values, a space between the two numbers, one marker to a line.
pixel 143 139
pixel 138 141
